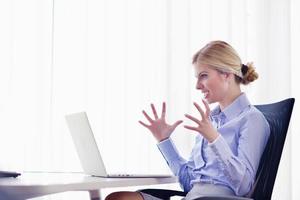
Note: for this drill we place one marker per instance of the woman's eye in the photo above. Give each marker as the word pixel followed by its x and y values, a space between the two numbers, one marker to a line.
pixel 202 76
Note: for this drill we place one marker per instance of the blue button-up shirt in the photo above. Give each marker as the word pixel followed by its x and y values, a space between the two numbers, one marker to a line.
pixel 233 158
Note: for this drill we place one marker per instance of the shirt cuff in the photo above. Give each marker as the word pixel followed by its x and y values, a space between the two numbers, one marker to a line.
pixel 169 151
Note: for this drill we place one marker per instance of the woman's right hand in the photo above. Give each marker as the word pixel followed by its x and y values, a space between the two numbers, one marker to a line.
pixel 158 126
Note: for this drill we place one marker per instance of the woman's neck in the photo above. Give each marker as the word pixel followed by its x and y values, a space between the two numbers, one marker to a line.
pixel 232 95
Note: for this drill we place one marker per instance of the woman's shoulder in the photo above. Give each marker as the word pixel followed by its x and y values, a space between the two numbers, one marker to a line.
pixel 255 116
pixel 254 111
pixel 254 119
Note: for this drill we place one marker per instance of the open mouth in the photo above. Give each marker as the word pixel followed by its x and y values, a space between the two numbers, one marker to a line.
pixel 205 94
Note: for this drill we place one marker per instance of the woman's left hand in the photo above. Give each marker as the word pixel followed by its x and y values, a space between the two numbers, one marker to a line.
pixel 205 127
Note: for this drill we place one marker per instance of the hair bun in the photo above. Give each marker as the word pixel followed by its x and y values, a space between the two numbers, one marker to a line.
pixel 250 74
pixel 244 69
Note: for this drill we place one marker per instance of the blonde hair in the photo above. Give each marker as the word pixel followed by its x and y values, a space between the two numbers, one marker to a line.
pixel 221 56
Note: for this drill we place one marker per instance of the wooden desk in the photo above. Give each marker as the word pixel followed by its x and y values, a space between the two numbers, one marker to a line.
pixel 30 185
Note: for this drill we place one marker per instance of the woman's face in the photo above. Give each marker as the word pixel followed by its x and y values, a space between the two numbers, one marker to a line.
pixel 212 83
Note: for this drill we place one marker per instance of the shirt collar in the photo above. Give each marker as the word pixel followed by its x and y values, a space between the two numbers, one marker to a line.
pixel 234 109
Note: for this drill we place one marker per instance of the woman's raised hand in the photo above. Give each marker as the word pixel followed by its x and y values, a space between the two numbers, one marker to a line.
pixel 159 128
pixel 205 127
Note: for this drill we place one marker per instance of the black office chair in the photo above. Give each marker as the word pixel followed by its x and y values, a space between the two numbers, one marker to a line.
pixel 278 115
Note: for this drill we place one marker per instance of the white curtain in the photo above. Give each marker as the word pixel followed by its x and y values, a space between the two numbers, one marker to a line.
pixel 294 82
pixel 112 58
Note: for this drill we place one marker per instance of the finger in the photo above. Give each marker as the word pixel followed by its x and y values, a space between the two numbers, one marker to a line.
pixel 207 112
pixel 154 111
pixel 147 126
pixel 147 116
pixel 163 112
pixel 193 119
pixel 177 123
pixel 191 128
pixel 200 110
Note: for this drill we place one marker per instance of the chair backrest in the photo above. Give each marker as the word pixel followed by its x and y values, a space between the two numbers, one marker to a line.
pixel 278 115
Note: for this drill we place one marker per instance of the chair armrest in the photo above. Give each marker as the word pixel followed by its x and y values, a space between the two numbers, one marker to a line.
pixel 163 193
pixel 166 194
pixel 219 197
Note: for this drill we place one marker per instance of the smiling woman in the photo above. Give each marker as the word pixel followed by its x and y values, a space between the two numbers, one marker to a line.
pixel 228 148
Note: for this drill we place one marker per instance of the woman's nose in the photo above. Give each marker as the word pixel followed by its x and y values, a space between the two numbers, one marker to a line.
pixel 199 85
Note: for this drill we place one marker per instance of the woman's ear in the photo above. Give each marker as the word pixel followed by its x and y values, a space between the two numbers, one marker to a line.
pixel 226 74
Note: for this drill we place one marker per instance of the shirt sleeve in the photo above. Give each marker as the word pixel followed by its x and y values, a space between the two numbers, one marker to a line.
pixel 180 167
pixel 240 169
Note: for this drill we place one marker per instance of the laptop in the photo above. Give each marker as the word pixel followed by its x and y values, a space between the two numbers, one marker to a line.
pixel 87 149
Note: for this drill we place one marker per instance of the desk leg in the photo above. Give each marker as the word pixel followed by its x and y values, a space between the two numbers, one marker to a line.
pixel 95 194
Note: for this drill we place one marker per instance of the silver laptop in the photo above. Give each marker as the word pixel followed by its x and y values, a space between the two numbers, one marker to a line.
pixel 87 149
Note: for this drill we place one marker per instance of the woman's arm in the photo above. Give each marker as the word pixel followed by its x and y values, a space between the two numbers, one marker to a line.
pixel 240 170
pixel 179 166
pixel 162 131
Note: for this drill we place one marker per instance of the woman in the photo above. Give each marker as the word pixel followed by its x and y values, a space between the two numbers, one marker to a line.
pixel 230 138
